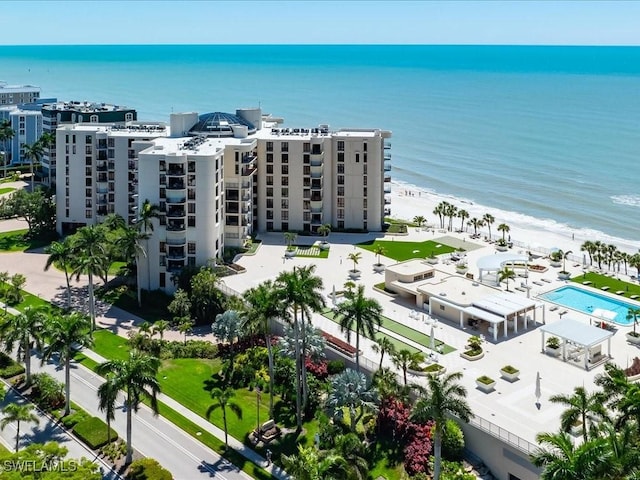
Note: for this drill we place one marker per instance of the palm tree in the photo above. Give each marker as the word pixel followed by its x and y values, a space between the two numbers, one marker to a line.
pixel 309 464
pixel 566 461
pixel 590 248
pixel 107 398
pixel 33 153
pixel 65 333
pixel 405 359
pixel 382 345
pixel 23 329
pixel 504 228
pixel 475 223
pixel 378 250
pixel 185 326
pixel 137 377
pixel 144 224
pixel 583 407
pixel 505 274
pixel 451 211
pixel 444 397
pixel 360 314
pixel 633 314
pixel 386 382
pixel 88 247
pixel 6 133
pixel 462 215
pixel 18 413
pixel 351 390
pixel 129 244
pixel 223 400
pixel 351 448
pixel 262 306
pixel 159 327
pixel 61 254
pixel 289 237
pixel 324 230
pixel 355 258
pixel 488 219
pixel 300 290
pixel 419 220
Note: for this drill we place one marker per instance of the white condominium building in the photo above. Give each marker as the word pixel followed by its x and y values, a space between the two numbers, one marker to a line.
pixel 218 178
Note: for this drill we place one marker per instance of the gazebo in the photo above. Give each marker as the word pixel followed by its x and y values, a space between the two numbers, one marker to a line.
pixel 495 263
pixel 585 338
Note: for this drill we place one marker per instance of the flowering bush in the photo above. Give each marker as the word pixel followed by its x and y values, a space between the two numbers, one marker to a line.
pixel 318 368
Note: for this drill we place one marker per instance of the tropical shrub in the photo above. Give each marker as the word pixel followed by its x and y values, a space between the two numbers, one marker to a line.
pixel 76 417
pixel 418 448
pixel 318 369
pixel 148 469
pixel 452 441
pixel 47 392
pixel 93 432
pixel 250 367
pixel 9 367
pixel 192 349
pixel 335 366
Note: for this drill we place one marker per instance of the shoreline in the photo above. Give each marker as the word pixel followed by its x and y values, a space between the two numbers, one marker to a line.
pixel 408 201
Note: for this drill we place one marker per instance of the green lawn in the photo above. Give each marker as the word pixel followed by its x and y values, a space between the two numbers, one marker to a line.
pixel 6 190
pixel 110 346
pixel 16 241
pixel 404 331
pixel 598 281
pixel 401 251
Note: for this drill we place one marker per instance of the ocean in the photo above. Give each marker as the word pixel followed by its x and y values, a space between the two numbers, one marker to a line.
pixel 545 137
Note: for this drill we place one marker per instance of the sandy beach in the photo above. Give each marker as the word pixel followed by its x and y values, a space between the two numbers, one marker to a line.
pixel 408 201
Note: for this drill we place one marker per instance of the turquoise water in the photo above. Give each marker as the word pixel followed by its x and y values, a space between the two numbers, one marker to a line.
pixel 586 302
pixel 547 136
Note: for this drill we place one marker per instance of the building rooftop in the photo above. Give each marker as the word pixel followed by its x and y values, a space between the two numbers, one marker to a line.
pixel 84 107
pixel 6 88
pixel 219 123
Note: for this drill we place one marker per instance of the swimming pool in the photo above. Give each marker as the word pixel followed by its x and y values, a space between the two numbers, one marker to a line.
pixel 586 302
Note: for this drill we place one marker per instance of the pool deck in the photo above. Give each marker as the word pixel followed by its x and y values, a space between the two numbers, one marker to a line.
pixel 511 406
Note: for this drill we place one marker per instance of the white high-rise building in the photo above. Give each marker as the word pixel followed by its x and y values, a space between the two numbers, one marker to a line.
pixel 218 178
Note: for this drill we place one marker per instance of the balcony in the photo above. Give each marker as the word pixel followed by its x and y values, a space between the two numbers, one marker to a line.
pixel 387 189
pixel 176 253
pixel 387 200
pixel 387 145
pixel 102 211
pixel 101 166
pixel 176 185
pixel 181 199
pixel 173 226
pixel 176 241
pixel 316 197
pixel 232 195
pixel 111 165
pixel 176 212
pixel 101 200
pixel 248 158
pixel 102 178
pixel 387 178
pixel 175 265
pixel 247 171
pixel 175 170
pixel 132 165
pixel 102 190
pixel 316 174
pixel 387 156
pixel 133 188
pixel 387 166
pixel 246 197
pixel 316 159
pixel 316 184
pixel 317 209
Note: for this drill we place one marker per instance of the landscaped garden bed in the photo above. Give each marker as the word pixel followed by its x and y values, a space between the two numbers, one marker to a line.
pixel 401 251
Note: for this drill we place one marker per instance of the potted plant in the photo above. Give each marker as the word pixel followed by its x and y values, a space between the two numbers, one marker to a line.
pixel 435 369
pixel 378 266
pixel 324 230
pixel 432 259
pixel 555 259
pixel 474 349
pixel 290 237
pixel 563 274
pixel 510 373
pixel 553 346
pixel 461 267
pixel 355 258
pixel 633 314
pixel 502 246
pixel 485 383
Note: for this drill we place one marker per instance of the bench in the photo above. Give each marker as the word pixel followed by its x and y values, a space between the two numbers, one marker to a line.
pixel 268 431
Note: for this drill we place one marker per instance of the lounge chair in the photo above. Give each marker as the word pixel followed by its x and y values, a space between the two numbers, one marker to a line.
pixel 620 292
pixel 605 288
pixel 633 297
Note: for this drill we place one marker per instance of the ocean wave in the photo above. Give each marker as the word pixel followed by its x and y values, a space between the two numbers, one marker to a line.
pixel 632 200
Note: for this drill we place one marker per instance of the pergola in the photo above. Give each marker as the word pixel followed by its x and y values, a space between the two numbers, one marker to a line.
pixel 578 334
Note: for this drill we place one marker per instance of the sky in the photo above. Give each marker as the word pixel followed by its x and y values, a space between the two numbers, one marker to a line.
pixel 522 22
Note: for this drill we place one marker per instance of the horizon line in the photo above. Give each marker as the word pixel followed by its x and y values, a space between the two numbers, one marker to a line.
pixel 567 45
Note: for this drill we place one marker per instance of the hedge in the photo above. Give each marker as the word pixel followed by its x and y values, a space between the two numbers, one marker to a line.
pixel 9 367
pixel 93 432
pixel 75 418
pixel 148 469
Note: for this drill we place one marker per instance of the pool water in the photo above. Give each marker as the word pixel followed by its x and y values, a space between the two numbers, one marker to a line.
pixel 586 302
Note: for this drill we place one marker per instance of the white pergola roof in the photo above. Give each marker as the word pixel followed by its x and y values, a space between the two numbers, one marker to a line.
pixel 577 332
pixel 505 304
pixel 496 261
pixel 484 315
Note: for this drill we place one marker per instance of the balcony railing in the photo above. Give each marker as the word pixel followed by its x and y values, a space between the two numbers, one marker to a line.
pixel 176 213
pixel 176 185
pixel 176 241
pixel 175 172
pixel 176 199
pixel 176 227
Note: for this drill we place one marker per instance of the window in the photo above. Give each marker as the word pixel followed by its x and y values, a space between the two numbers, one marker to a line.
pixel 285 216
pixel 269 226
pixel 357 158
pixel 163 279
pixel 87 181
pixel 269 157
pixel 87 203
pixel 191 208
pixel 341 168
pixel 162 165
pixel 270 214
pixel 285 226
pixel 306 159
pixel 340 156
pixel 284 204
pixel 162 260
pixel 285 158
pixel 341 224
pixel 364 180
pixel 285 180
pixel 88 161
pixel 306 170
pixel 364 146
pixel 284 146
pixel 270 168
pixel 111 153
pixel 269 180
pixel 191 167
pixel 269 191
pixel 128 117
pixel 88 213
pixel 364 214
pixel 364 157
pixel 284 193
pixel 87 192
pixel 306 204
pixel 88 139
pixel 364 203
pixel 163 193
pixel 341 213
pixel 306 147
pixel 340 202
pixel 306 216
pixel 364 169
pixel 340 179
pixel 284 169
pixel 191 221
pixel 87 171
pixel 341 191
pixel 269 202
pixel 111 142
pixel 341 146
pixel 191 248
pixel 269 146
pixel 364 192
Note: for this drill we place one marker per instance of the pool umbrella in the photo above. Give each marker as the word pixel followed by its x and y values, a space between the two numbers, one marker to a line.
pixel 538 392
pixel 433 339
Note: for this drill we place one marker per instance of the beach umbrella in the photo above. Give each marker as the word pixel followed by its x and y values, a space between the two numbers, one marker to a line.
pixel 433 339
pixel 538 392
